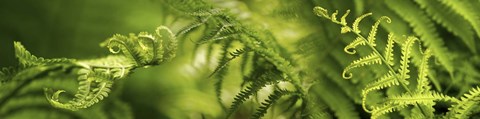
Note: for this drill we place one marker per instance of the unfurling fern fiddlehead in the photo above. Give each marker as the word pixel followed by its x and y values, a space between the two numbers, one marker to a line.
pixel 422 97
pixel 96 76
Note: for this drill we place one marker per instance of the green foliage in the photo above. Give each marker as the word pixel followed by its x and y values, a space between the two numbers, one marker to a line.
pixel 95 76
pixel 425 29
pixel 422 97
pixel 274 97
pixel 250 59
pixel 466 106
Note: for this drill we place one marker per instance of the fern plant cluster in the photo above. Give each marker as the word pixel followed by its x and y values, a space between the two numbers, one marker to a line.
pixel 262 62
pixel 421 97
pixel 291 59
pixel 95 77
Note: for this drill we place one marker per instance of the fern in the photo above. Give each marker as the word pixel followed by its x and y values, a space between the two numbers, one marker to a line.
pixel 423 83
pixel 405 60
pixel 386 81
pixel 465 106
pixel 350 48
pixel 276 95
pixel 260 80
pixel 357 21
pixel 367 60
pixel 226 60
pixel 96 76
pixel 389 49
pixel 422 98
pixel 29 99
pixel 89 93
pixel 249 52
pixel 386 108
pixel 26 59
pixel 224 30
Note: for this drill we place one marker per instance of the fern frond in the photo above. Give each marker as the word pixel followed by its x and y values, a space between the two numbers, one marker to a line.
pixel 400 101
pixel 95 79
pixel 217 34
pixel 145 49
pixel 144 45
pixel 191 26
pixel 389 49
pixel 386 108
pixel 466 105
pixel 93 87
pixel 84 83
pixel 343 20
pixel 357 22
pixel 225 60
pixel 95 76
pixel 321 12
pixel 27 59
pixel 391 78
pixel 220 76
pixel 426 98
pixel 367 60
pixel 220 72
pixel 405 58
pixel 373 31
pixel 280 62
pixel 149 42
pixel 125 45
pixel 388 80
pixel 171 43
pixel 334 17
pixel 350 48
pixel 110 66
pixel 272 98
pixel 400 26
pixel 98 93
pixel 244 95
pixel 423 83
